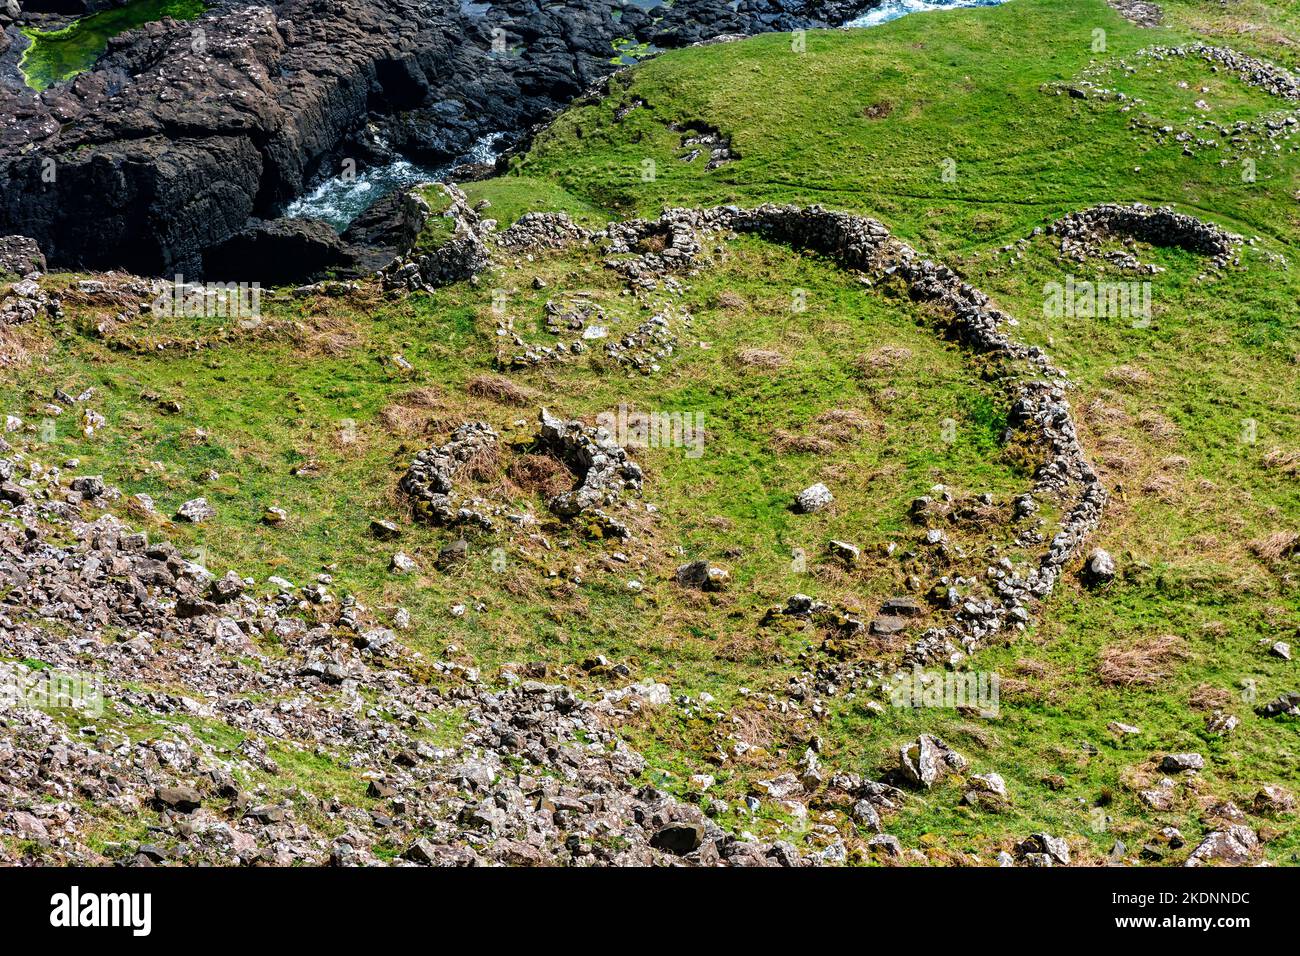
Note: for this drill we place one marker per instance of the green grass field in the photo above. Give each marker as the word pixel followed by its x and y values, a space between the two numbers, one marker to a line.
pixel 945 126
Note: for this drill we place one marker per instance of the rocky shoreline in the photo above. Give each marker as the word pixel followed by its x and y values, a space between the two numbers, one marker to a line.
pixel 178 151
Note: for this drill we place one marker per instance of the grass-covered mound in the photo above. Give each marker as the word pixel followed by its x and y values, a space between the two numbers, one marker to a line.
pixel 958 131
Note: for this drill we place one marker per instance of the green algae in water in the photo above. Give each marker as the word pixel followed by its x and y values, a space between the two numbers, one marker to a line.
pixel 59 55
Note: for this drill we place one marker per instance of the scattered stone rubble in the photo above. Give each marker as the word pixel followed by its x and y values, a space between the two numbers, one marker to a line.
pixel 703 576
pixel 699 139
pixel 1142 12
pixel 461 256
pixel 645 347
pixel 1274 80
pixel 1242 138
pixel 24 300
pixel 537 778
pixel 1043 849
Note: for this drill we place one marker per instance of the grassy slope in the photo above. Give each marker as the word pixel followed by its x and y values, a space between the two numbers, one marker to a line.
pixel 963 85
pixel 1214 356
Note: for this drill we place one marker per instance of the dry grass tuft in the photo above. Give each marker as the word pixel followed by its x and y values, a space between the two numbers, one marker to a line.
pixel 1157 426
pixel 1161 487
pixel 1205 697
pixel 335 344
pixel 1099 410
pixel 500 390
pixel 1276 547
pixel 1142 663
pixel 541 475
pixel 787 443
pixel 484 465
pixel 761 358
pixel 652 243
pixel 729 301
pixel 1128 375
pixel 15 347
pixel 1118 454
pixel 885 359
pixel 330 336
pixel 1287 462
pixel 426 396
pixel 844 424
pixel 413 412
pixel 399 419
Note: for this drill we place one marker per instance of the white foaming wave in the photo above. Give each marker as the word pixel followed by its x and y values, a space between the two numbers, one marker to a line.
pixel 893 9
pixel 340 200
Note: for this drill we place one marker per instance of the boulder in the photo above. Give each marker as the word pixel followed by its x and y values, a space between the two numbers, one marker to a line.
pixel 1272 800
pixel 901 607
pixel 278 251
pixel 846 552
pixel 196 511
pixel 926 760
pixel 20 256
pixel 813 498
pixel 1178 763
pixel 703 576
pixel 181 799
pixel 678 838
pixel 1233 845
pixel 1099 567
pixel 1044 844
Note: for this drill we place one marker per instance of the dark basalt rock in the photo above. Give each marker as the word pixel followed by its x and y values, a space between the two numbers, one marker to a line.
pixel 185 131
pixel 279 251
pixel 377 236
pixel 73 7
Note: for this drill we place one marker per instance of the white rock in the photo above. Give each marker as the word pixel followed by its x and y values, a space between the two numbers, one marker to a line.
pixel 813 498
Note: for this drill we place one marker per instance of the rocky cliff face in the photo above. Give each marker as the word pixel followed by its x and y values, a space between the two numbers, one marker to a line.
pixel 186 131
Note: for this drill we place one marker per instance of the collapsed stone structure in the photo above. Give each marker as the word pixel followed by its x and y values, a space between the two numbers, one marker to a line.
pixel 460 256
pixel 1275 80
pixel 470 806
pixel 430 480
pixel 1081 233
pixel 1039 407
pixel 602 468
pixel 534 231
